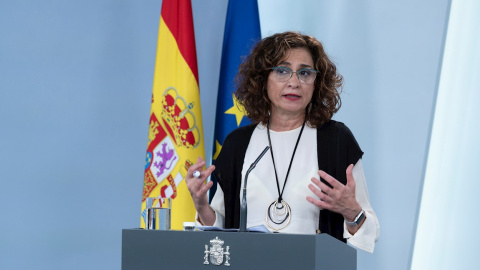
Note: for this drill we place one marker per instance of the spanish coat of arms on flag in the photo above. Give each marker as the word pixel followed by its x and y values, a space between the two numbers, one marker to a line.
pixel 175 137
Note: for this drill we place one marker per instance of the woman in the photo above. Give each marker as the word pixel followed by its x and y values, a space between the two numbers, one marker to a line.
pixel 288 88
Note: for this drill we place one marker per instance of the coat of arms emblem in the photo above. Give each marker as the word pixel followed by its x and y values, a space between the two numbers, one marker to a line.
pixel 216 254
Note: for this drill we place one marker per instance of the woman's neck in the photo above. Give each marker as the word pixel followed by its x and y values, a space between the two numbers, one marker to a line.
pixel 285 122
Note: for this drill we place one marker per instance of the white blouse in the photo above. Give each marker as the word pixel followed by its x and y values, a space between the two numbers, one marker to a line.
pixel 262 186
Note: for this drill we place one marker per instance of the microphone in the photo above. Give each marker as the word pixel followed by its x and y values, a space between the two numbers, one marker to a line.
pixel 243 206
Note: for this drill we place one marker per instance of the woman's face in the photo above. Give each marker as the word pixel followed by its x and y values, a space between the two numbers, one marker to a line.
pixel 291 97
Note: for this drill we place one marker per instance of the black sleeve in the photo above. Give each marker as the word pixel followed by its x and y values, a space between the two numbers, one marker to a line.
pixel 337 149
pixel 228 171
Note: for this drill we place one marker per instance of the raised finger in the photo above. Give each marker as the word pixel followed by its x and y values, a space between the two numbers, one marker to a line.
pixel 196 167
pixel 318 203
pixel 350 179
pixel 330 179
pixel 323 187
pixel 206 187
pixel 207 172
pixel 198 183
pixel 319 193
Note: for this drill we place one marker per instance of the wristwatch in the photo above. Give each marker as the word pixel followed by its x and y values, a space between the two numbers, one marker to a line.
pixel 358 219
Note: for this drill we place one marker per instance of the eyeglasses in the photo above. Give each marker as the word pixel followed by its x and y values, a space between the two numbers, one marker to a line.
pixel 305 75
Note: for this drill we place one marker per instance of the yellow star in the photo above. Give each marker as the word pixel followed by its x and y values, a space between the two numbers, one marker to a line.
pixel 237 110
pixel 218 148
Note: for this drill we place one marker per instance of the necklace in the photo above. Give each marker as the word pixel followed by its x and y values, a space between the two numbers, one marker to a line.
pixel 279 213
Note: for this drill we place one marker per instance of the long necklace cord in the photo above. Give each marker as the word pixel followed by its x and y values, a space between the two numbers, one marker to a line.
pixel 280 207
pixel 280 194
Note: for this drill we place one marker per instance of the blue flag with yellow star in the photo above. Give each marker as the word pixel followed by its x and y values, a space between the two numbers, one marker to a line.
pixel 242 31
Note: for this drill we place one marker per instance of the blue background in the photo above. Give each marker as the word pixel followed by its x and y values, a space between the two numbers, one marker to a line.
pixel 75 87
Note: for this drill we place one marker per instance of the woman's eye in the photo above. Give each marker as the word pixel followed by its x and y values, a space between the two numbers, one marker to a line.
pixel 282 71
pixel 305 73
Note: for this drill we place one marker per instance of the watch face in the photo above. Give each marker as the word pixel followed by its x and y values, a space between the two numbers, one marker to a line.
pixel 360 218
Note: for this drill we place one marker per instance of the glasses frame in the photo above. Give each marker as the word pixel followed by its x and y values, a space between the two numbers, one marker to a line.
pixel 296 72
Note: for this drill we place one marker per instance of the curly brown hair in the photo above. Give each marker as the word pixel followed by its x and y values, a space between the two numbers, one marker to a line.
pixel 269 52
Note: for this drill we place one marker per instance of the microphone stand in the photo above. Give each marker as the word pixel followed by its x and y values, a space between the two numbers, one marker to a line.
pixel 243 206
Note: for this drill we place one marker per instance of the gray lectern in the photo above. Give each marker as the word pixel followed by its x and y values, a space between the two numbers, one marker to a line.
pixel 149 249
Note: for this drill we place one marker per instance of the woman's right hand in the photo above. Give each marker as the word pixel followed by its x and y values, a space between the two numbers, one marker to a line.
pixel 198 189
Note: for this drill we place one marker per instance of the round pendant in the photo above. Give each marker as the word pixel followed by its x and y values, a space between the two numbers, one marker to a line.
pixel 278 215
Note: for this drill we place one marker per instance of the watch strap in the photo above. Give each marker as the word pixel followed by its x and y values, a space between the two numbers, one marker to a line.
pixel 358 219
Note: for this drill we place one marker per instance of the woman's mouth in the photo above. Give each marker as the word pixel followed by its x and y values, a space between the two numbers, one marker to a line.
pixel 291 96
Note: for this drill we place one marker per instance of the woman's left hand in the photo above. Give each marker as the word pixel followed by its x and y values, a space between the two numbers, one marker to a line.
pixel 339 198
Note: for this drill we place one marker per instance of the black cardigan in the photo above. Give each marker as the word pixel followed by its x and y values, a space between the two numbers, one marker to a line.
pixel 336 150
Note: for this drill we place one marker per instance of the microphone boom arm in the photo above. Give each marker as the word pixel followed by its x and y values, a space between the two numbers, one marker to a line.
pixel 243 206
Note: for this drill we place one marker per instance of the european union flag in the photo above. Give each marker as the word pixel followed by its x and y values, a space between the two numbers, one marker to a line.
pixel 242 31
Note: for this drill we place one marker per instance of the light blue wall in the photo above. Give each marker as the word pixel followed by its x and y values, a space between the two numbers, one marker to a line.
pixel 75 88
pixel 450 188
pixel 75 80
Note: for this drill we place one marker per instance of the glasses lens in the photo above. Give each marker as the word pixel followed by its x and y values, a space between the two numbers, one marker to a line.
pixel 282 73
pixel 307 76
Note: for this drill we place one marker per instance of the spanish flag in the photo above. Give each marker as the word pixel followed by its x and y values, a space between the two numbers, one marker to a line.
pixel 175 137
